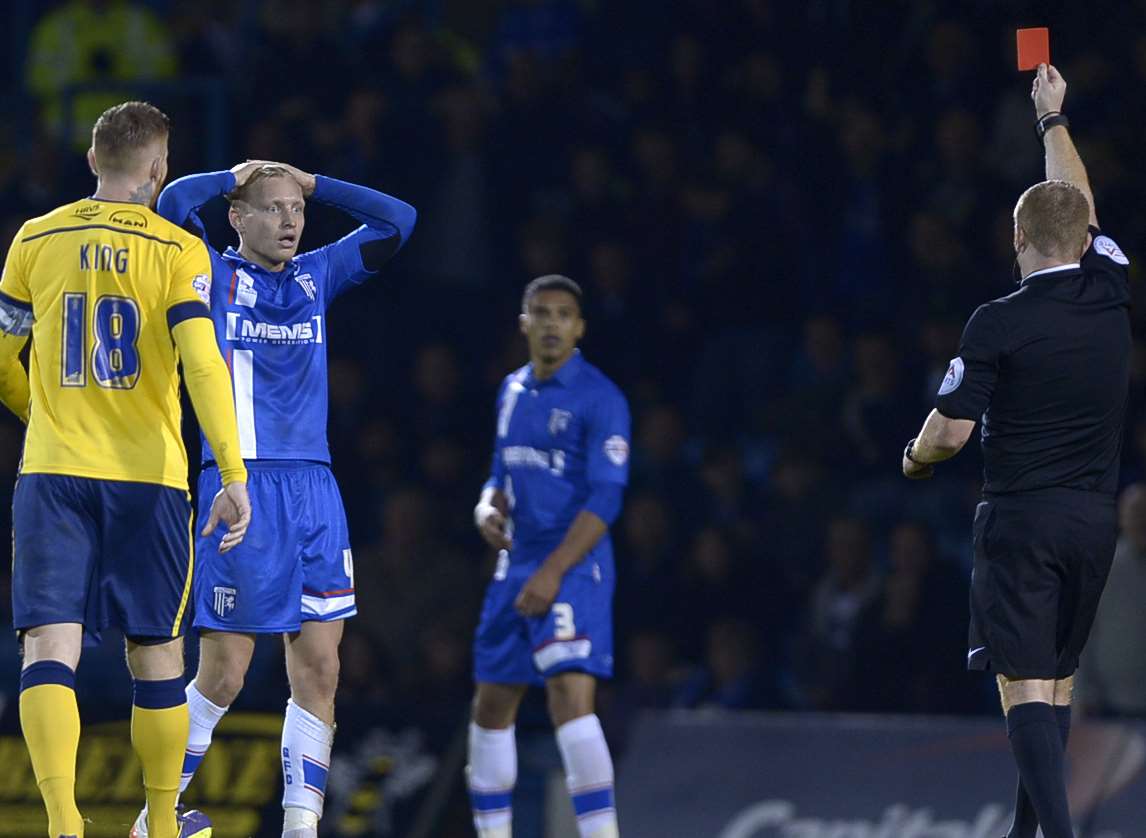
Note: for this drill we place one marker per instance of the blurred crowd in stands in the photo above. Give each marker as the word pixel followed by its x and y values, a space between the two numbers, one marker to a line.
pixel 781 214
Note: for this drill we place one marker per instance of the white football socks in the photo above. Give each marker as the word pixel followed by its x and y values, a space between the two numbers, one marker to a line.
pixel 589 776
pixel 491 775
pixel 306 745
pixel 205 717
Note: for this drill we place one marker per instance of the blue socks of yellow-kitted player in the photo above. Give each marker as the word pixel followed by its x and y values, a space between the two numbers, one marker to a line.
pixel 159 724
pixel 50 720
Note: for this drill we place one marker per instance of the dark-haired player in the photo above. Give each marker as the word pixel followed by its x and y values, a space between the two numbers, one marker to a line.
pixel 560 464
pixel 1047 371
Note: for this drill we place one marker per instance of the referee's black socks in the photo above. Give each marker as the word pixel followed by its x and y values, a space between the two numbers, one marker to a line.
pixel 1026 822
pixel 1038 733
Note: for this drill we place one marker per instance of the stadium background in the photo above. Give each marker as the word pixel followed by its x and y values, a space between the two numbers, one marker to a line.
pixel 781 213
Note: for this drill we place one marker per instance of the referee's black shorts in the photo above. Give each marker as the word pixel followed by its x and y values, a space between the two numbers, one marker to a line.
pixel 1041 561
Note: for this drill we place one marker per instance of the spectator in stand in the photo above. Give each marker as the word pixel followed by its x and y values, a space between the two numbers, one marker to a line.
pixel 731 677
pixel 919 616
pixel 825 658
pixel 1111 677
pixel 93 43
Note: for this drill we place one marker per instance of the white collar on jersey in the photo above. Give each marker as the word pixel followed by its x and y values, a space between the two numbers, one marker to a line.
pixel 1073 266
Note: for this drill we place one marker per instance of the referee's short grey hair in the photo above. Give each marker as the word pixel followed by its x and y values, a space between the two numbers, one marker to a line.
pixel 1054 216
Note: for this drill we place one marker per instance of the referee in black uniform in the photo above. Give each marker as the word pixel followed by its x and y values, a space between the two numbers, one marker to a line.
pixel 1047 371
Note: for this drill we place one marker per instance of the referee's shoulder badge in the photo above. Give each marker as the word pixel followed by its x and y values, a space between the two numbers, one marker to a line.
pixel 617 450
pixel 954 377
pixel 1106 246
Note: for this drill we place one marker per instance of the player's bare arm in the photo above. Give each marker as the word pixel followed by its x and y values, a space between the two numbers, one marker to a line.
pixel 490 519
pixel 1062 159
pixel 940 439
pixel 541 589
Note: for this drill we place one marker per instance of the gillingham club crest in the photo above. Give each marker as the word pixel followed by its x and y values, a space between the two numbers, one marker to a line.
pixel 559 421
pixel 224 602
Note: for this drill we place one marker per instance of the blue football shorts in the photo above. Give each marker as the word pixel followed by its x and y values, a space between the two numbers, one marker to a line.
pixel 575 636
pixel 293 566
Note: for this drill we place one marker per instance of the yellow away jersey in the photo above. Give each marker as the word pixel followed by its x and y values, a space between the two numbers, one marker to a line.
pixel 95 281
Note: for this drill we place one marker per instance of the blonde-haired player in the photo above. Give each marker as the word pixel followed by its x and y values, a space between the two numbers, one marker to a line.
pixel 113 298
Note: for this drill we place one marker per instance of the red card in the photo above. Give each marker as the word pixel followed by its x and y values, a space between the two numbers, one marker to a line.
pixel 1034 47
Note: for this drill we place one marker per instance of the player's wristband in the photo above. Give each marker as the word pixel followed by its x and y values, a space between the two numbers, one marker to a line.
pixel 1050 120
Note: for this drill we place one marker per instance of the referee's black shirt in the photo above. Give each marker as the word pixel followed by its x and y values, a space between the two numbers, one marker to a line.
pixel 1046 369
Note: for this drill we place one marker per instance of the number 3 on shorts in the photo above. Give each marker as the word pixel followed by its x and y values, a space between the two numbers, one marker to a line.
pixel 563 628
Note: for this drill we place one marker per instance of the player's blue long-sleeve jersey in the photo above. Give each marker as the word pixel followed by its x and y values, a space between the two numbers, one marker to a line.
pixel 271 326
pixel 560 443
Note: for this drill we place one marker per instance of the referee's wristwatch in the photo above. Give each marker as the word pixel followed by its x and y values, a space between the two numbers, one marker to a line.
pixel 908 454
pixel 1049 120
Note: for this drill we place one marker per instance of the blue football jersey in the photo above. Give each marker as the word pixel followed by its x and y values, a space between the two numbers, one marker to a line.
pixel 555 440
pixel 271 325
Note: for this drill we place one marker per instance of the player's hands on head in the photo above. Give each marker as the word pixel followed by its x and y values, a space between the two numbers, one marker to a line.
pixel 537 594
pixel 306 181
pixel 231 506
pixel 1048 90
pixel 492 524
pixel 243 171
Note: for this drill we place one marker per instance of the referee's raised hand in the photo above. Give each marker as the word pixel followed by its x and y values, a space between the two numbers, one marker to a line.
pixel 1048 90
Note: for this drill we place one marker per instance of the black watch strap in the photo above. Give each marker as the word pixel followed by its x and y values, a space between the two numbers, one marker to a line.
pixel 1048 121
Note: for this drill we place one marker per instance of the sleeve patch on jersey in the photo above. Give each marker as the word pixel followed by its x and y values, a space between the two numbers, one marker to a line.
pixel 15 316
pixel 954 377
pixel 202 285
pixel 1106 246
pixel 617 450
